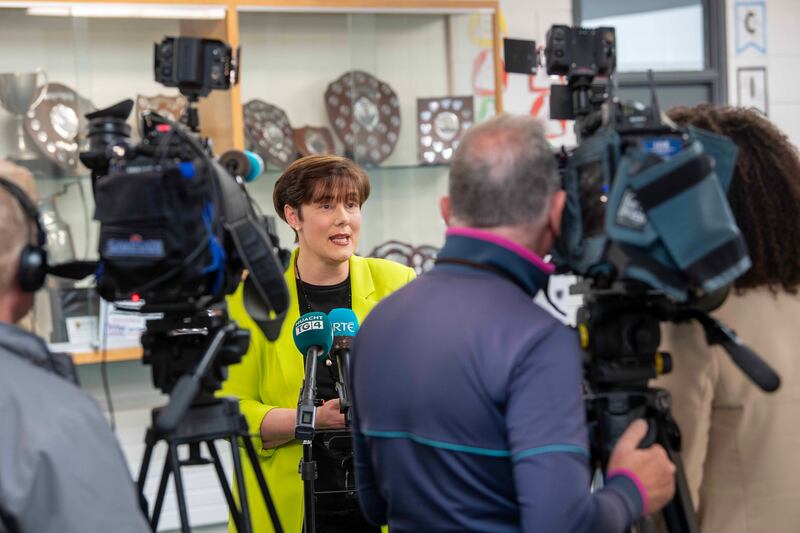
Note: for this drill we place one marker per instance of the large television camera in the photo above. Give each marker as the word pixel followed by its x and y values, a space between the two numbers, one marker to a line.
pixel 177 230
pixel 648 230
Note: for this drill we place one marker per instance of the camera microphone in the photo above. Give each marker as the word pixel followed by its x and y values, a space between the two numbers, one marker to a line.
pixel 243 164
pixel 345 326
pixel 313 337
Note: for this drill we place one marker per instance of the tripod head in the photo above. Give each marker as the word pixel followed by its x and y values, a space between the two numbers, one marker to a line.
pixel 619 326
pixel 189 355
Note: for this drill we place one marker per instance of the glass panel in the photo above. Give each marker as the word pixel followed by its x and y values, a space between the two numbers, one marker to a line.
pixel 652 34
pixel 668 97
pixel 69 59
pixel 393 91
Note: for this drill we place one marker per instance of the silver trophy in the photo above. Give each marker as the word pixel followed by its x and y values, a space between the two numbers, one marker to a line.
pixel 20 93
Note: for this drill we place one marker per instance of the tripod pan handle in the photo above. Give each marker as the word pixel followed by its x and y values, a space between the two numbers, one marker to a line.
pixel 182 395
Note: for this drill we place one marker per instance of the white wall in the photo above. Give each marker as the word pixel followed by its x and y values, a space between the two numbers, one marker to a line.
pixel 781 60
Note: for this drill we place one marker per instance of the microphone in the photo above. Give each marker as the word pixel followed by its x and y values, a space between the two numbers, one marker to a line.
pixel 345 326
pixel 244 164
pixel 313 337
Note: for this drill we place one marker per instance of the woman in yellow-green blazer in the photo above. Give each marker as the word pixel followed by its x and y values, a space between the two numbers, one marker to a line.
pixel 320 197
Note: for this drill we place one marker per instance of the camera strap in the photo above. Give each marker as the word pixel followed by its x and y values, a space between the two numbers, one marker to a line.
pixel 265 295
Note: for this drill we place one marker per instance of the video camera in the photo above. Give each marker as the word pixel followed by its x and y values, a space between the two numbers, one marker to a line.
pixel 648 228
pixel 177 229
pixel 645 200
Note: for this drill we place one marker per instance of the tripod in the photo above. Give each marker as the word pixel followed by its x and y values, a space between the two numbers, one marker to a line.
pixel 620 329
pixel 622 335
pixel 611 412
pixel 193 416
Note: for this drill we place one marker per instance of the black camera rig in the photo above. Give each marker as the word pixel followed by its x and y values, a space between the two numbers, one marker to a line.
pixel 177 230
pixel 634 185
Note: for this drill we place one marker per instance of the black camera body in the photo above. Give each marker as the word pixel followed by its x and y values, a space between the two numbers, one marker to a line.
pixel 580 52
pixel 177 229
pixel 195 66
pixel 158 235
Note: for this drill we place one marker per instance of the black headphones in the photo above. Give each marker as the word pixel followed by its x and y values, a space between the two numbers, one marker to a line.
pixel 33 259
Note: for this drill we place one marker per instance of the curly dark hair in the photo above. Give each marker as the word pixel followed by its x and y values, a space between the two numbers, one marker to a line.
pixel 764 194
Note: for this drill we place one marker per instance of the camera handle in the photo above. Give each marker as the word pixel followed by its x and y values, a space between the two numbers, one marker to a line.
pixel 748 361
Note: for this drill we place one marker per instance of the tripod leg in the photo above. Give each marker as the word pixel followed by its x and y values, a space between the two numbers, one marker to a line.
pixel 175 465
pixel 162 490
pixel 226 489
pixel 143 468
pixel 679 513
pixel 262 483
pixel 238 475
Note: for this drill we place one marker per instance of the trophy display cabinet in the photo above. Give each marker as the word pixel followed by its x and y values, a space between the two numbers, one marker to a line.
pixel 391 84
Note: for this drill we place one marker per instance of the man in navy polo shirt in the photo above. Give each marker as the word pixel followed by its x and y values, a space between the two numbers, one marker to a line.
pixel 468 409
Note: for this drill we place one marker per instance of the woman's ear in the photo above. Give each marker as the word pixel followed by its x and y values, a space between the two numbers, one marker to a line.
pixel 292 216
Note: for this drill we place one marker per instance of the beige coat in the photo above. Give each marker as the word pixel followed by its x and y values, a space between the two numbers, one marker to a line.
pixel 741 445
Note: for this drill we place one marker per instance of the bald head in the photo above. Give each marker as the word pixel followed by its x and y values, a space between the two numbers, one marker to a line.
pixel 15 227
pixel 502 174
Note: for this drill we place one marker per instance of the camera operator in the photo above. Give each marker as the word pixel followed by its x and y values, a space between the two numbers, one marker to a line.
pixel 61 468
pixel 740 445
pixel 468 413
pixel 320 197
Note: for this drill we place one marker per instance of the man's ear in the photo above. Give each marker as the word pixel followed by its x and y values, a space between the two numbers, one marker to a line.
pixel 444 209
pixel 292 216
pixel 557 202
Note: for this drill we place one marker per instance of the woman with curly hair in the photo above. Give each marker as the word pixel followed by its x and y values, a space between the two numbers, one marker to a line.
pixel 741 446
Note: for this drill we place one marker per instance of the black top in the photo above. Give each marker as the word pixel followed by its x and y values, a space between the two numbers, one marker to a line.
pixel 324 298
pixel 332 450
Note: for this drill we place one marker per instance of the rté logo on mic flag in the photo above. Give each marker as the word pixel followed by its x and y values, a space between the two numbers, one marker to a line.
pixel 344 328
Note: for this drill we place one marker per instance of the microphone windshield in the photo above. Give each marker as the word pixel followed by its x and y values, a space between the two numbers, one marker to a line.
pixel 256 166
pixel 344 322
pixel 313 329
pixel 345 326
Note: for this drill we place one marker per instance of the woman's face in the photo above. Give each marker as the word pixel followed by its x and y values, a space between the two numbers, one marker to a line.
pixel 328 229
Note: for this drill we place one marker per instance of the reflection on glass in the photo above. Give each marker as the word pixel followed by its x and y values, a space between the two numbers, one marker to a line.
pixel 59 239
pixel 657 34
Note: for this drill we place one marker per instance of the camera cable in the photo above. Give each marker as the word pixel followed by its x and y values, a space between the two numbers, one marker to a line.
pixel 104 371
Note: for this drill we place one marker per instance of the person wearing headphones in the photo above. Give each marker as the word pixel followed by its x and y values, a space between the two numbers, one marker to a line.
pixel 61 469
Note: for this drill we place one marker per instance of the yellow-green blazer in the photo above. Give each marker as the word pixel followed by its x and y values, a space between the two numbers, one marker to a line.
pixel 271 374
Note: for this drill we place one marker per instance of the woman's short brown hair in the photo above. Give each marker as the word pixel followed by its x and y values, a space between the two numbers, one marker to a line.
pixel 317 177
pixel 764 194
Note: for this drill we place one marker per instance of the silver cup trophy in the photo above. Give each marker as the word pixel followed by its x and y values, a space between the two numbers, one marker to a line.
pixel 20 93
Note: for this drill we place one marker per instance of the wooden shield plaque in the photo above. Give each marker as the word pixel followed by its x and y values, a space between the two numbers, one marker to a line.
pixel 58 126
pixel 365 114
pixel 310 140
pixel 268 133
